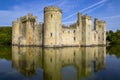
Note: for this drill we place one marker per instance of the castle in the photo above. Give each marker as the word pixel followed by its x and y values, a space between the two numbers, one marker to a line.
pixel 52 33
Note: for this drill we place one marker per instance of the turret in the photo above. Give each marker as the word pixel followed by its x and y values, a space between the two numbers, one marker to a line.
pixel 79 19
pixel 52 26
pixel 29 31
pixel 15 32
pixel 95 23
pixel 100 27
pixel 86 30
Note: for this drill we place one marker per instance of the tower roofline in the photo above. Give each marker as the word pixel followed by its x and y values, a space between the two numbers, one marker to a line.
pixel 86 16
pixel 52 8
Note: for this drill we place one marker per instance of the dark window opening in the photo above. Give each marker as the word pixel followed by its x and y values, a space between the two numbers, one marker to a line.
pixel 74 53
pixel 74 31
pixel 51 34
pixel 51 59
pixel 94 37
pixel 74 38
pixel 51 15
pixel 99 37
pixel 68 31
pixel 82 38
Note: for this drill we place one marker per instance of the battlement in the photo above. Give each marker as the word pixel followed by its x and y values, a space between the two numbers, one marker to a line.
pixel 87 17
pixel 29 17
pixel 96 19
pixel 99 21
pixel 14 22
pixel 71 26
pixel 102 21
pixel 52 8
pixel 79 13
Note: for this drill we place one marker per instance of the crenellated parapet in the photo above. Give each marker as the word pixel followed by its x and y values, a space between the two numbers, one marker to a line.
pixel 71 26
pixel 87 17
pixel 29 17
pixel 52 8
pixel 102 23
pixel 99 25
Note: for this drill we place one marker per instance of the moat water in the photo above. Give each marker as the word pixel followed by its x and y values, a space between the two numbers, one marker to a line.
pixel 34 63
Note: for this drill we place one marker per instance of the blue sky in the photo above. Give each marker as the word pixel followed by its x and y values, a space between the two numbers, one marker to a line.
pixel 108 10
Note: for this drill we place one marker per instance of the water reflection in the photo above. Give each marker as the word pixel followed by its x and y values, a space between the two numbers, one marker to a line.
pixel 114 50
pixel 55 61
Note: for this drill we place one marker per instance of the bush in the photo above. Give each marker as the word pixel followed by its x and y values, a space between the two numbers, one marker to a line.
pixel 113 37
pixel 5 35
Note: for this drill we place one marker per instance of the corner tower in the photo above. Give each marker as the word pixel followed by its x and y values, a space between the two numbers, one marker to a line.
pixel 100 27
pixel 79 28
pixel 15 32
pixel 86 30
pixel 52 26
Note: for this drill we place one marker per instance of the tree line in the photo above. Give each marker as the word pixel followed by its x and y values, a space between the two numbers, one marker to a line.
pixel 113 37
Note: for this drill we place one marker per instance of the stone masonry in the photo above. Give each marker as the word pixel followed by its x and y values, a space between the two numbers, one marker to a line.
pixel 52 33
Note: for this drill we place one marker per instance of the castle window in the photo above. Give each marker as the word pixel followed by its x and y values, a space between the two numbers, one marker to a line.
pixel 51 34
pixel 94 37
pixel 74 53
pixel 74 31
pixel 99 37
pixel 68 31
pixel 51 15
pixel 74 38
pixel 50 59
pixel 82 38
pixel 63 31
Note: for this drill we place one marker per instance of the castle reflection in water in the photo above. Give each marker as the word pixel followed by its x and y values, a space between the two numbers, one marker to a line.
pixel 85 60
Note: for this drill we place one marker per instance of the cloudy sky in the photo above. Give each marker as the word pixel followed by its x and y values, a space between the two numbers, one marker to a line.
pixel 108 10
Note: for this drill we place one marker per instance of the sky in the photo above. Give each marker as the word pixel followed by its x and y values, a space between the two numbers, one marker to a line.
pixel 108 10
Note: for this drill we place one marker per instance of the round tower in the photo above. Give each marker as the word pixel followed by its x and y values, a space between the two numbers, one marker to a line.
pixel 52 26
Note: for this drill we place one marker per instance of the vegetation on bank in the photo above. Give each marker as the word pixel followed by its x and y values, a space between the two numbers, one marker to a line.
pixel 5 52
pixel 113 37
pixel 114 50
pixel 5 35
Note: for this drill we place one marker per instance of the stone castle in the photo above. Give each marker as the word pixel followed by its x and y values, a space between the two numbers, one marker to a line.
pixel 52 33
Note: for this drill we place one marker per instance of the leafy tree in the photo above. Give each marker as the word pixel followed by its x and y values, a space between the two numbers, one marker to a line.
pixel 113 37
pixel 5 35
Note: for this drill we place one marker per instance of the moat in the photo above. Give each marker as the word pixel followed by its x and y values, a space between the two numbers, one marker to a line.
pixel 35 63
